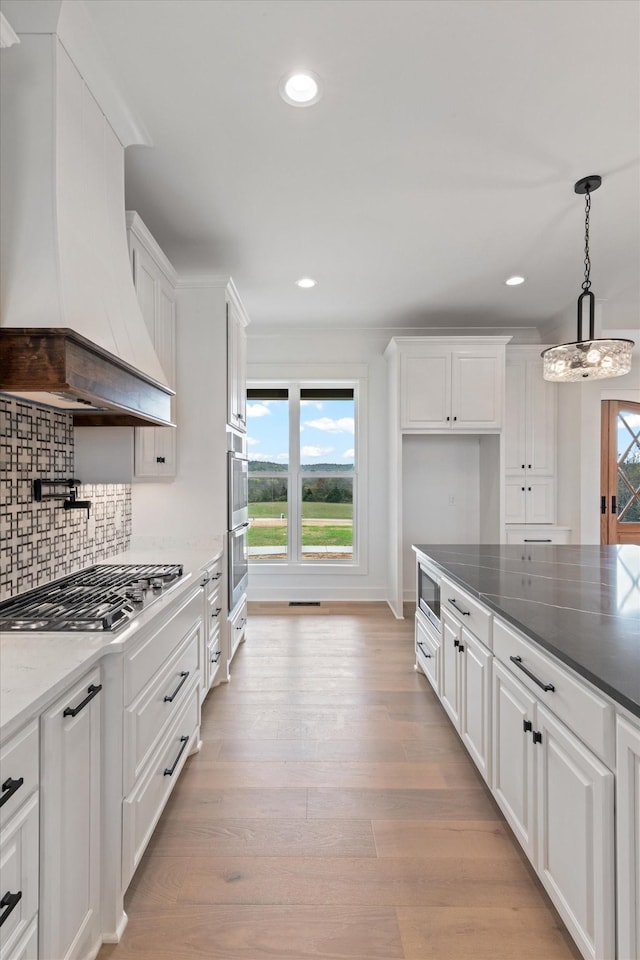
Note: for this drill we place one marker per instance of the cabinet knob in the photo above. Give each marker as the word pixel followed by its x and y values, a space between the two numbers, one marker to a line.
pixel 455 418
pixel 448 418
pixel 529 489
pixel 523 466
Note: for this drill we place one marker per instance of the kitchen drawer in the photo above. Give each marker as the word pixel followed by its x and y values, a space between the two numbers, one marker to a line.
pixel 214 611
pixel 468 611
pixel 27 947
pixel 537 534
pixel 237 628
pixel 428 646
pixel 590 717
pixel 145 803
pixel 19 873
pixel 213 573
pixel 159 701
pixel 149 655
pixel 214 654
pixel 19 760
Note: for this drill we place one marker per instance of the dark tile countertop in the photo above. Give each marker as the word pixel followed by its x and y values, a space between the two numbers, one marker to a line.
pixel 581 603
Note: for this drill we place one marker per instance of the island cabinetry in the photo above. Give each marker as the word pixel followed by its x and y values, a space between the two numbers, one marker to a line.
pixel 69 918
pixel 628 836
pixel 162 695
pixel 448 386
pixel 466 689
pixel 428 651
pixel 213 619
pixel 529 439
pixel 19 841
pixel 552 787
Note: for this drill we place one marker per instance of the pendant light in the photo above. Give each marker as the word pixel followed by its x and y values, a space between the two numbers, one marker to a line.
pixel 587 359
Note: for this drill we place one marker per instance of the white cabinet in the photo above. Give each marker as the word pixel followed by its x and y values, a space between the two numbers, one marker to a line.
pixel 213 620
pixel 523 533
pixel 466 689
pixel 236 368
pixel 529 439
pixel 445 388
pixel 428 651
pixel 237 627
pixel 558 798
pixel 628 837
pixel 70 839
pixel 155 280
pixel 19 840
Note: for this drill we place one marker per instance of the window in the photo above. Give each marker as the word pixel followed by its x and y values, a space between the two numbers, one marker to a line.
pixel 302 472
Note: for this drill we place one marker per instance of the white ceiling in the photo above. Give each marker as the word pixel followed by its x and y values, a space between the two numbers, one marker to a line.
pixel 439 161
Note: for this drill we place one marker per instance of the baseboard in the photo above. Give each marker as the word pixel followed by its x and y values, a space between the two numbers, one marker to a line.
pixel 318 593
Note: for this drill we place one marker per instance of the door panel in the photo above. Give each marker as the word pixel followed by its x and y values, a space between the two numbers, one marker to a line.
pixel 620 472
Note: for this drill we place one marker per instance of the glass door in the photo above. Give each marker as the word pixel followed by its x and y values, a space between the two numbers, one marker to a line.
pixel 620 472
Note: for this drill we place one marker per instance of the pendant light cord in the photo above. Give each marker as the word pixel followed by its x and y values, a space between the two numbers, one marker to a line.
pixel 586 283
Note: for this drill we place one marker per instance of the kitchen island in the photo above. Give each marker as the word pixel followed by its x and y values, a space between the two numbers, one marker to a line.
pixel 537 663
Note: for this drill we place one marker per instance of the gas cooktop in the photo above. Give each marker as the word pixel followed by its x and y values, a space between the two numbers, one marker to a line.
pixel 103 597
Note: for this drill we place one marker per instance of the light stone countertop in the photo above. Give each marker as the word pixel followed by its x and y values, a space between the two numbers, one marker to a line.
pixel 35 668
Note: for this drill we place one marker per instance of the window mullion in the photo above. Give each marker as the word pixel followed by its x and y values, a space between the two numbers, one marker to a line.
pixel 295 507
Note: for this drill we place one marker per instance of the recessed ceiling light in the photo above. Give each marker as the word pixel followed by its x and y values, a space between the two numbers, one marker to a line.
pixel 306 283
pixel 514 281
pixel 300 89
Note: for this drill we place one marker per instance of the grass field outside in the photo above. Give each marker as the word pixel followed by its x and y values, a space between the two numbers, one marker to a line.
pixel 310 510
pixel 312 536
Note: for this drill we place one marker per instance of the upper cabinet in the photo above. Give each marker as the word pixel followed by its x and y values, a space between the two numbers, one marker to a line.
pixel 155 281
pixel 452 384
pixel 236 364
pixel 530 439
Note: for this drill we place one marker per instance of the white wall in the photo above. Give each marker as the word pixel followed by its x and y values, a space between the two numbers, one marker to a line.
pixel 436 471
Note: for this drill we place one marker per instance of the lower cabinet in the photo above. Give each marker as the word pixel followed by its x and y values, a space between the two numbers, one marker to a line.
pixel 428 648
pixel 558 798
pixel 70 834
pixel 466 689
pixel 628 838
pixel 237 627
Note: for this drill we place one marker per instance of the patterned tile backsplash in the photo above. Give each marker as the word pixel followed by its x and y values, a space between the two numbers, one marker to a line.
pixel 40 542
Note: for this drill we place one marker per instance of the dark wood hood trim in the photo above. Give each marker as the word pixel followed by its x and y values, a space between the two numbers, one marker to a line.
pixel 47 360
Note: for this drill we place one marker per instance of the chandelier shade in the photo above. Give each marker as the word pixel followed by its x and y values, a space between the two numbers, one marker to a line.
pixel 592 359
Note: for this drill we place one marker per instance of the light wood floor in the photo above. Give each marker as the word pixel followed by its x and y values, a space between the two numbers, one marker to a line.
pixel 333 814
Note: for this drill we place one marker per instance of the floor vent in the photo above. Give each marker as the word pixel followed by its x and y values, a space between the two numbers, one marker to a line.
pixel 304 603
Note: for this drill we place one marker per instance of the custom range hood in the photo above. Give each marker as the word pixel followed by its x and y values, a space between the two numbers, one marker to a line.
pixel 72 335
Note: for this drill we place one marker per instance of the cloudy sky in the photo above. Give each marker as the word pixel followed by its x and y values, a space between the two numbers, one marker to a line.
pixel 326 431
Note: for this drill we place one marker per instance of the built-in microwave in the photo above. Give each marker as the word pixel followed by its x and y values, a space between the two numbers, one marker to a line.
pixel 238 490
pixel 429 594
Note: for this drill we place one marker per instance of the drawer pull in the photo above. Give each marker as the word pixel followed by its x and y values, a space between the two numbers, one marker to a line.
pixel 537 736
pixel 527 726
pixel 215 657
pixel 10 901
pixel 423 651
pixel 548 540
pixel 241 624
pixel 547 687
pixel 184 674
pixel 461 648
pixel 92 692
pixel 9 787
pixel 456 642
pixel 169 771
pixel 465 613
pixel 216 612
pixel 217 576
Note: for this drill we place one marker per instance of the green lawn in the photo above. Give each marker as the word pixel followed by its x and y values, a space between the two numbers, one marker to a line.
pixel 312 536
pixel 310 511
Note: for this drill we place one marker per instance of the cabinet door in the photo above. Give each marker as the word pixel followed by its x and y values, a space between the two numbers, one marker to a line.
pixel 236 370
pixel 477 389
pixel 515 501
pixel 428 654
pixel 540 499
pixel 425 390
pixel 475 714
pixel 540 456
pixel 515 418
pixel 628 838
pixel 513 771
pixel 576 835
pixel 450 689
pixel 70 839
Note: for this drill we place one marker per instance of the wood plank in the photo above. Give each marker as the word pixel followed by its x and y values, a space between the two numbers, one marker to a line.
pixel 484 933
pixel 472 839
pixel 401 804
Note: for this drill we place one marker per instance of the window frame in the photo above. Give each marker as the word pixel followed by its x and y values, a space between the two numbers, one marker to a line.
pixel 296 474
